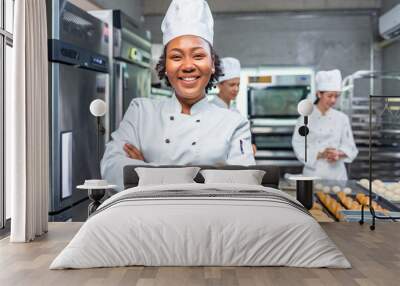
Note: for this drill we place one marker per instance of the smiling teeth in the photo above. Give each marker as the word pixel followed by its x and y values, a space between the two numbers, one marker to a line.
pixel 189 78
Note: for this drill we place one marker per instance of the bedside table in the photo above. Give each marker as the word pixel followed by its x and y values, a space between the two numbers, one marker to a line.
pixel 304 190
pixel 96 194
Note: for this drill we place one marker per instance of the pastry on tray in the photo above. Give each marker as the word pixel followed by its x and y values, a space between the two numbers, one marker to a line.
pixel 390 191
pixel 319 214
pixel 348 202
pixel 331 204
pixel 364 200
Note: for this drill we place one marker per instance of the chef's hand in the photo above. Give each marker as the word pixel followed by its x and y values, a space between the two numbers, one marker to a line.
pixel 333 155
pixel 322 155
pixel 254 147
pixel 328 154
pixel 133 152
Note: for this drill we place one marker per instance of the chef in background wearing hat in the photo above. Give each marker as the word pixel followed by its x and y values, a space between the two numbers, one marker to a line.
pixel 330 139
pixel 228 83
pixel 185 129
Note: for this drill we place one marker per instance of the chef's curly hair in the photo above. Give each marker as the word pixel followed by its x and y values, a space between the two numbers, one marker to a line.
pixel 161 68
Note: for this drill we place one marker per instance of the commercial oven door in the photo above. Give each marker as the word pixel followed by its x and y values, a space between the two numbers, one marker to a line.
pixel 275 102
pixel 275 147
pixel 130 81
pixel 74 132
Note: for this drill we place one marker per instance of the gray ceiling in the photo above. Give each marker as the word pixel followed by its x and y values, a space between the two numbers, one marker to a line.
pixel 157 7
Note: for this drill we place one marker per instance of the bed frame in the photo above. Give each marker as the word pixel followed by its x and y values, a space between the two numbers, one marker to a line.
pixel 270 179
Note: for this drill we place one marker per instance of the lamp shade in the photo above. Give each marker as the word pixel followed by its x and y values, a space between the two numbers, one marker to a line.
pixel 305 107
pixel 98 107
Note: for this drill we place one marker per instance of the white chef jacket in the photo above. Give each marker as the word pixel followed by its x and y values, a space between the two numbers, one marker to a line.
pixel 220 103
pixel 329 130
pixel 209 135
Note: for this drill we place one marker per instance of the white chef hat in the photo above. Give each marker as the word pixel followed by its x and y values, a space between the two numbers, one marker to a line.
pixel 230 69
pixel 188 17
pixel 329 80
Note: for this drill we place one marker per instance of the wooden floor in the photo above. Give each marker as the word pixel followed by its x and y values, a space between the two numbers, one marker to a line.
pixel 374 255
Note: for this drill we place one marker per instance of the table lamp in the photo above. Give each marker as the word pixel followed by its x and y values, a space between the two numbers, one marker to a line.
pixel 98 108
pixel 304 184
pixel 305 108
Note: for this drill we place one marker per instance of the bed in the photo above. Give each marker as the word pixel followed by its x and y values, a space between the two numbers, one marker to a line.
pixel 198 224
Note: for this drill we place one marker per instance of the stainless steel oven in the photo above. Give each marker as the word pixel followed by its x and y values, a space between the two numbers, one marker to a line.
pixel 272 109
pixel 129 50
pixel 79 74
pixel 276 101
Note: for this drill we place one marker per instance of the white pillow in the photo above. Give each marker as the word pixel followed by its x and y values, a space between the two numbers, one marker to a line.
pixel 248 177
pixel 166 176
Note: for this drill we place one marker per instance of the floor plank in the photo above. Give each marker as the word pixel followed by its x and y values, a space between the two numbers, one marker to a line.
pixel 374 255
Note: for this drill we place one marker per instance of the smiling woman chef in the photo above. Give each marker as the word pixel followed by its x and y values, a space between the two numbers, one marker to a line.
pixel 185 129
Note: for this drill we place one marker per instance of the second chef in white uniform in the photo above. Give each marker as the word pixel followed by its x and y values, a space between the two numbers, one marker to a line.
pixel 330 141
pixel 228 84
pixel 185 129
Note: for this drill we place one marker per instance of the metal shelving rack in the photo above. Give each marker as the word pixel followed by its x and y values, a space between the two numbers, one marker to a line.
pixel 385 139
pixel 371 209
pixel 381 143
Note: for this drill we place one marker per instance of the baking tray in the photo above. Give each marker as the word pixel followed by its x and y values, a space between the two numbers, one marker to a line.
pixel 355 215
pixel 383 202
pixel 355 186
pixel 378 199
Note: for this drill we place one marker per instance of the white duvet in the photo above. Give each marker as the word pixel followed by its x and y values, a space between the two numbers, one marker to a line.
pixel 183 231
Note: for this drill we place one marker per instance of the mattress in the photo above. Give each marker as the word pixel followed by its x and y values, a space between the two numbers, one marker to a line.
pixel 201 225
